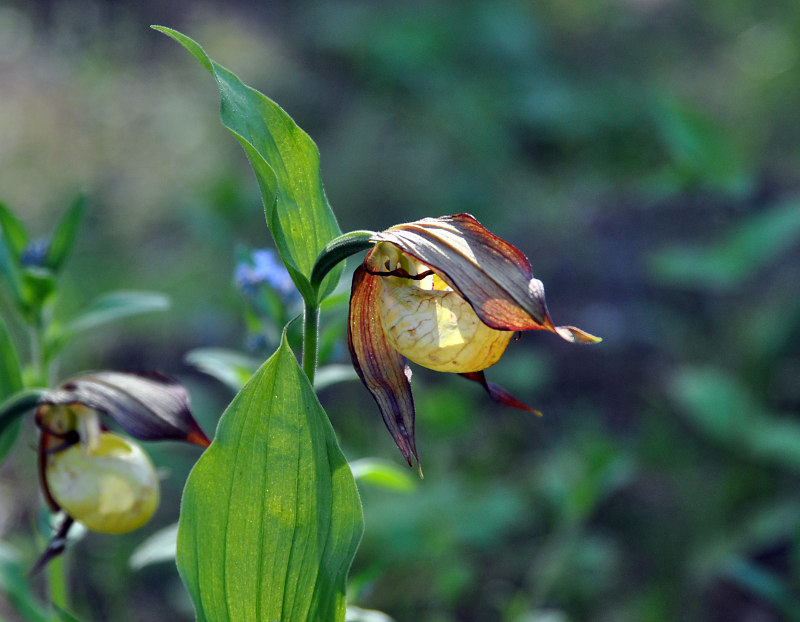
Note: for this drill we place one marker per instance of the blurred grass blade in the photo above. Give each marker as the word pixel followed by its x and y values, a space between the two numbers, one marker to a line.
pixel 357 614
pixel 754 243
pixel 702 150
pixel 270 519
pixel 726 413
pixel 62 615
pixel 16 589
pixel 228 366
pixel 328 375
pixel 383 474
pixel 158 548
pixel 10 384
pixel 286 163
pixel 9 266
pixel 13 233
pixel 65 234
pixel 108 308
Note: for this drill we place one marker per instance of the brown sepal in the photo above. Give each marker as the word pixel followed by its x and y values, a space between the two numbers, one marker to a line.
pixel 383 371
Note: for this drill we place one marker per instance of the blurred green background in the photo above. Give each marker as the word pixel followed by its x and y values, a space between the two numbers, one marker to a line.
pixel 645 155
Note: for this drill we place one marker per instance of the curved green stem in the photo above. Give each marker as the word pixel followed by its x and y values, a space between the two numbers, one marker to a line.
pixel 338 250
pixel 335 251
pixel 17 405
pixel 57 583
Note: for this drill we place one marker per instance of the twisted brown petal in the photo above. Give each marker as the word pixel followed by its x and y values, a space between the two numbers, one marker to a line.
pixel 382 370
pixel 148 406
pixel 494 276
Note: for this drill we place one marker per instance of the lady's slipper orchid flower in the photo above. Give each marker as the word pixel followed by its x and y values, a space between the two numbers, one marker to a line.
pixel 446 294
pixel 96 477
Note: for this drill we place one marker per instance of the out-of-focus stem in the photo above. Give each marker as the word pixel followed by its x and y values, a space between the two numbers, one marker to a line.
pixel 310 339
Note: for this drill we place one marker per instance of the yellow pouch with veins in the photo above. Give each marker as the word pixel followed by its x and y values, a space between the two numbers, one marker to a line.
pixel 430 324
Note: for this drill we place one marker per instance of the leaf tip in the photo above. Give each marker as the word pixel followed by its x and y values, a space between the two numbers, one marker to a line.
pixel 190 44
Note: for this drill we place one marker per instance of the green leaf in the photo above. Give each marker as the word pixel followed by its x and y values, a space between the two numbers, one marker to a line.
pixel 286 163
pixel 228 366
pixel 13 233
pixel 270 519
pixel 108 308
pixel 65 234
pixel 10 383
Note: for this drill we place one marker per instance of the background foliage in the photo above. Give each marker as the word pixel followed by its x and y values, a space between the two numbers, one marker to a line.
pixel 643 153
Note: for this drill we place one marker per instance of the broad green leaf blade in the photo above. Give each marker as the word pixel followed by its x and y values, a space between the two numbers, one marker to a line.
pixel 65 234
pixel 270 519
pixel 10 383
pixel 286 163
pixel 108 308
pixel 13 233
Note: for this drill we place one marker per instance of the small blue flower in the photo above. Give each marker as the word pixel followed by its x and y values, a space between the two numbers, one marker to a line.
pixel 264 267
pixel 35 253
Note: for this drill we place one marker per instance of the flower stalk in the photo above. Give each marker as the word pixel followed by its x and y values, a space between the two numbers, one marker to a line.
pixel 310 339
pixel 336 251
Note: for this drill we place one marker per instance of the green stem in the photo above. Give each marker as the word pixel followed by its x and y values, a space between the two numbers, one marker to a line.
pixel 57 583
pixel 310 339
pixel 37 353
pixel 338 250
pixel 17 405
pixel 335 251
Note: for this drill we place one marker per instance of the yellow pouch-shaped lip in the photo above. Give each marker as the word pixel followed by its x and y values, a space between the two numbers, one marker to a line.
pixel 111 487
pixel 438 329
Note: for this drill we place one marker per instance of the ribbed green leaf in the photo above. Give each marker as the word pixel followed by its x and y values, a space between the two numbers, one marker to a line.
pixel 271 518
pixel 10 383
pixel 286 164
